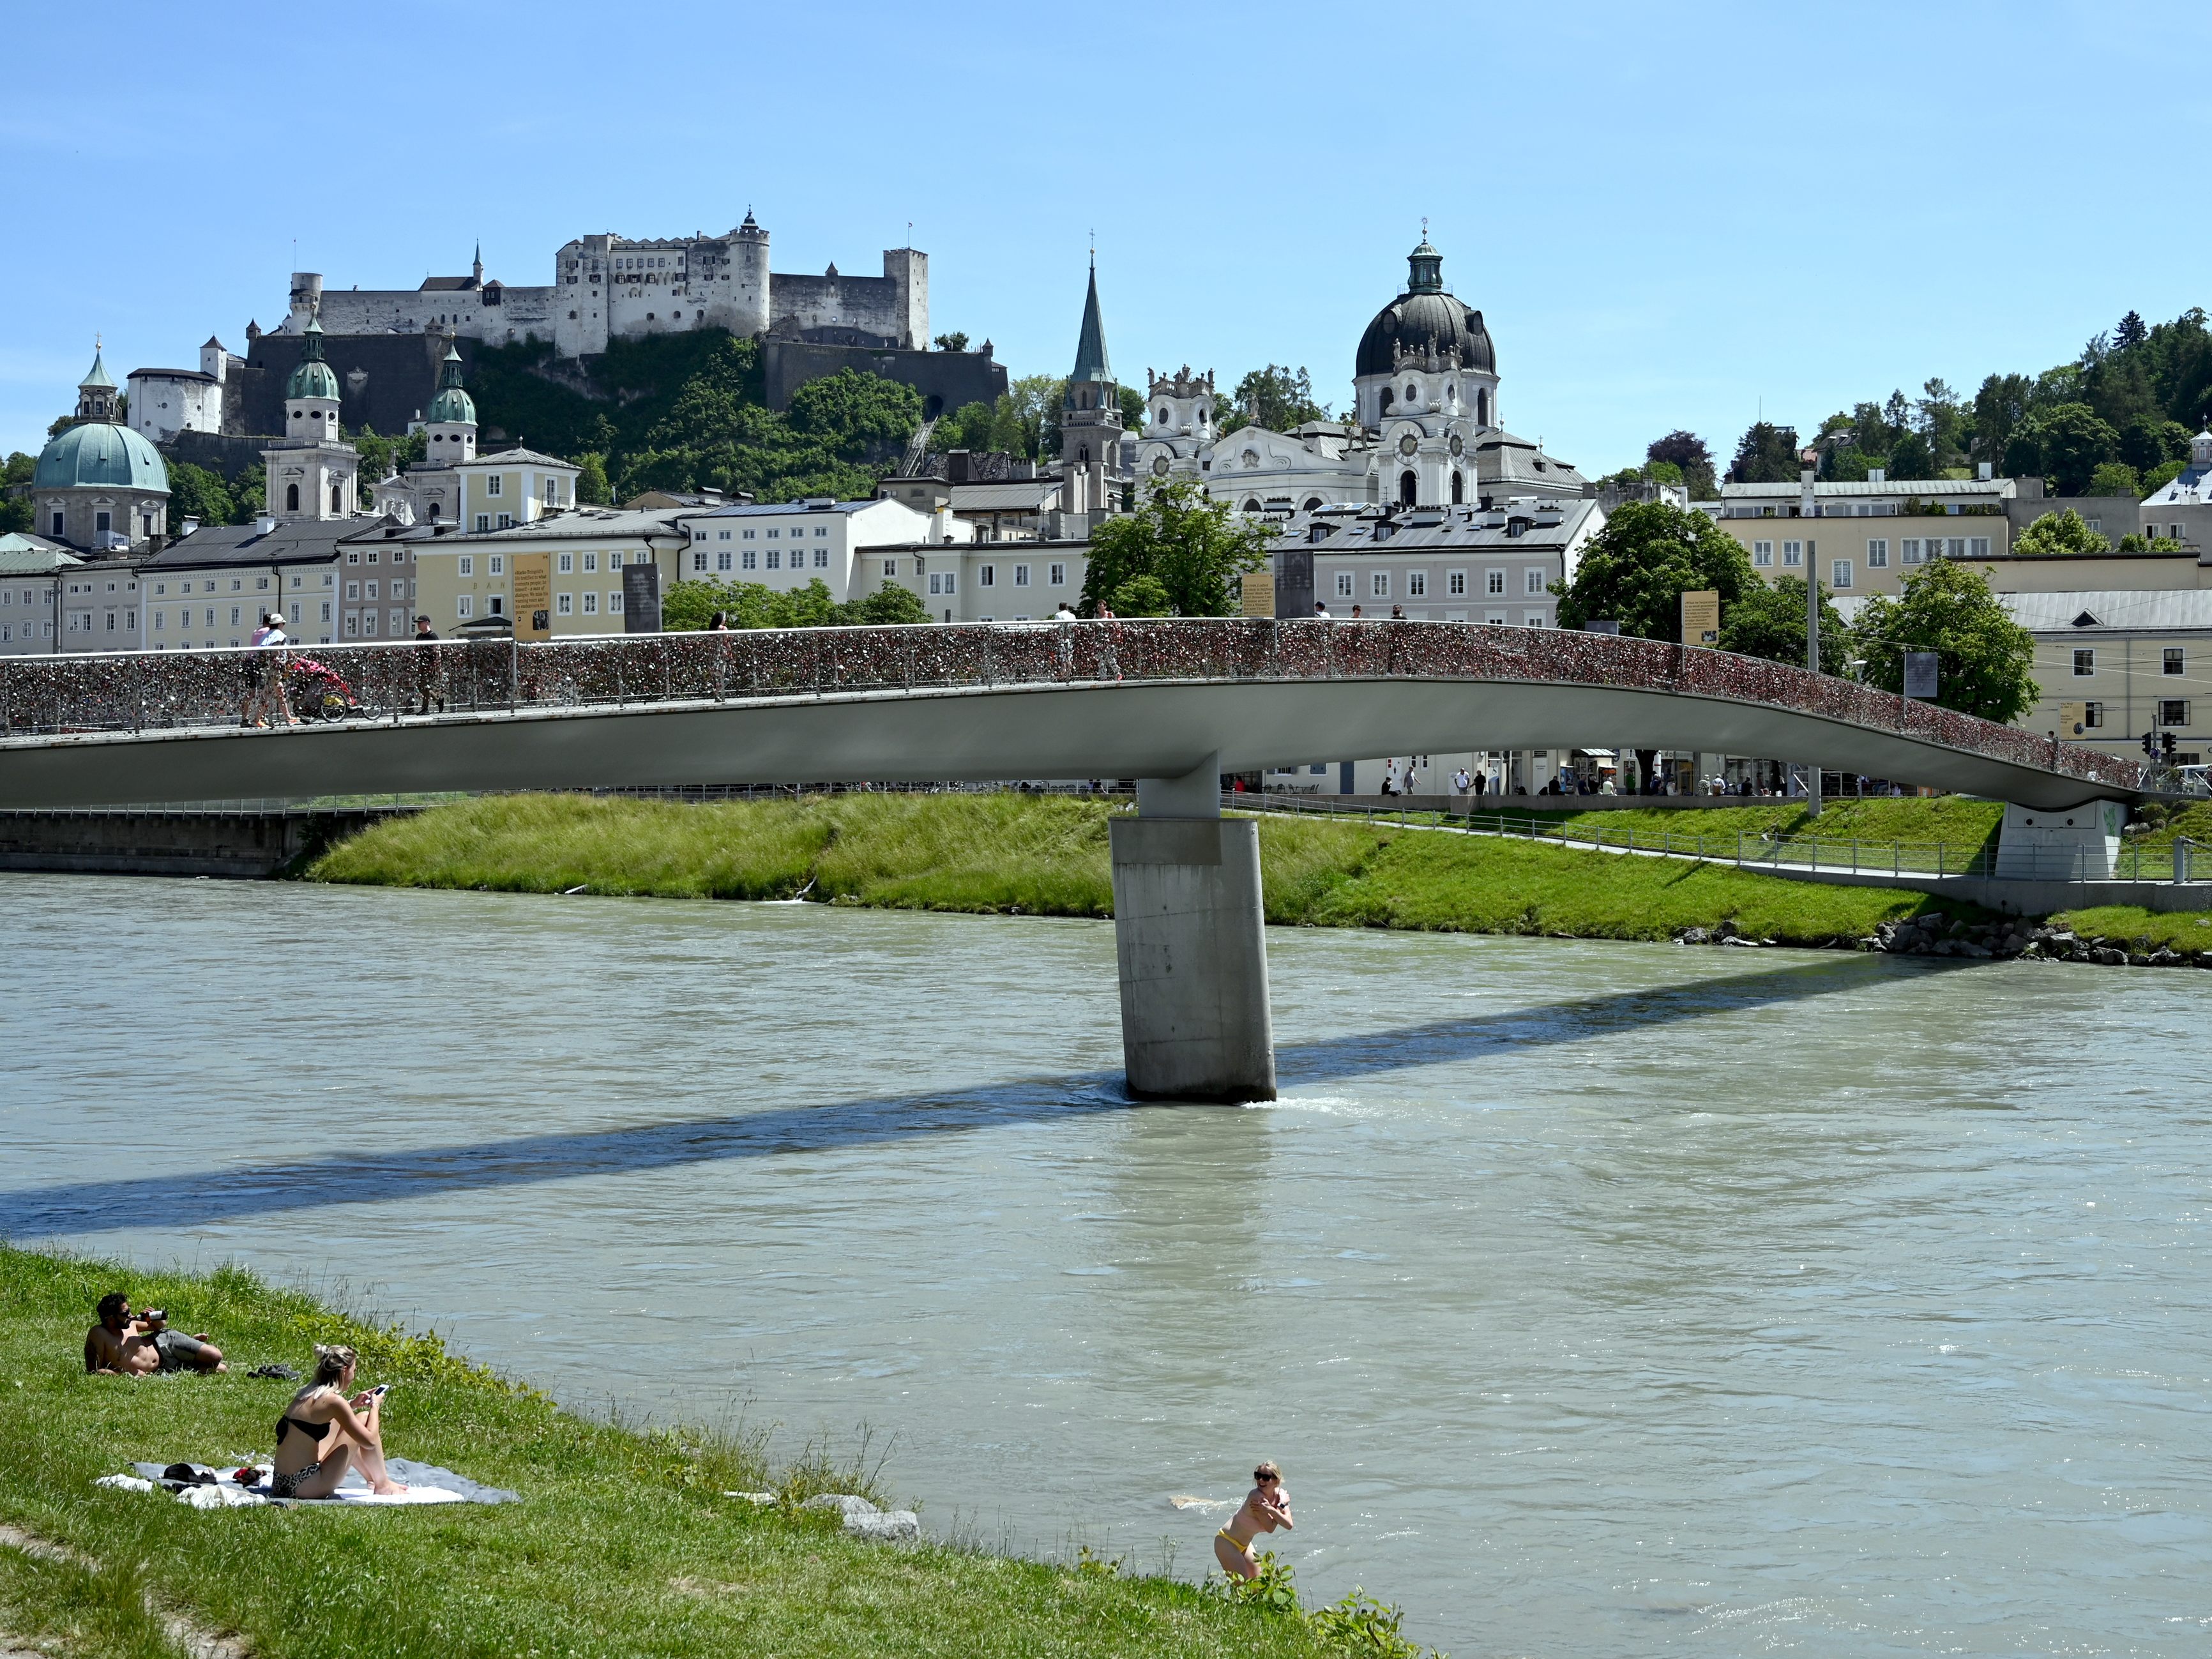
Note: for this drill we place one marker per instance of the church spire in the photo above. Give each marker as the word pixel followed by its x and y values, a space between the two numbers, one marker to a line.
pixel 1090 362
pixel 95 393
pixel 476 269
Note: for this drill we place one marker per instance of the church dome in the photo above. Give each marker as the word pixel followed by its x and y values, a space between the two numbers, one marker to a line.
pixel 312 378
pixel 452 406
pixel 97 455
pixel 1422 319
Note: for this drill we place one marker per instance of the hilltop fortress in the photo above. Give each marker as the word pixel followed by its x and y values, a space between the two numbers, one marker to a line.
pixel 610 288
pixel 386 346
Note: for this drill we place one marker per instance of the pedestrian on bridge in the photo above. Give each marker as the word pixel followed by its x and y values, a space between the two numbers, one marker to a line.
pixel 429 668
pixel 267 697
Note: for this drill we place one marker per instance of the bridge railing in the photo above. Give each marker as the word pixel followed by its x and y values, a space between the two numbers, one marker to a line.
pixel 43 695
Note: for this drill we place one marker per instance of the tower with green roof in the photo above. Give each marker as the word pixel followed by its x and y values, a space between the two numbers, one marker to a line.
pixel 312 472
pixel 450 431
pixel 98 486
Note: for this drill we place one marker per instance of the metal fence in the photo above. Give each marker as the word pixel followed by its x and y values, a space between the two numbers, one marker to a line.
pixel 2180 859
pixel 141 691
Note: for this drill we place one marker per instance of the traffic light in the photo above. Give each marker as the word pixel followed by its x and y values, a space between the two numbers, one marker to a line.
pixel 2150 744
pixel 2166 746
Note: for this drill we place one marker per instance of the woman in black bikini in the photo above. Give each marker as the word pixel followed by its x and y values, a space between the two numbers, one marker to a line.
pixel 304 1467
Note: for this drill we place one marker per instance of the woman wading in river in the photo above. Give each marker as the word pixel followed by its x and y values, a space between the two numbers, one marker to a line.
pixel 1265 1508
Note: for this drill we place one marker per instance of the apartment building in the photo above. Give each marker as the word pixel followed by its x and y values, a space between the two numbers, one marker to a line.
pixel 2132 660
pixel 1915 523
pixel 1493 565
pixel 31 580
pixel 559 576
pixel 786 545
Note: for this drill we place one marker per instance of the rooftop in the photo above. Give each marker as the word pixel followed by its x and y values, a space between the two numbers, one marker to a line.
pixel 519 458
pixel 1367 530
pixel 2112 610
pixel 585 524
pixel 301 541
pixel 1925 488
pixel 784 509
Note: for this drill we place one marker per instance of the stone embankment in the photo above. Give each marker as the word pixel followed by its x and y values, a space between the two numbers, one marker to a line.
pixel 1933 933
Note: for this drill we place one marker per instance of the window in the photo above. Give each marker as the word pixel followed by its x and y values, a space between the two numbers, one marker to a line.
pixel 353 590
pixel 1977 547
pixel 2093 714
pixel 937 584
pixel 1534 578
pixel 1839 574
pixel 891 567
pixel 493 484
pixel 1057 574
pixel 2085 661
pixel 592 562
pixel 591 605
pixel 2171 711
pixel 1344 584
pixel 820 531
pixel 1455 583
pixel 1493 581
pixel 1877 553
pixel 749 535
pixel 352 624
pixel 2171 661
pixel 372 590
pixel 722 561
pixel 1532 619
pixel 568 564
pixel 1416 584
pixel 952 582
pixel 699 561
pixel 775 557
pixel 1793 553
pixel 564 604
pixel 614 602
pixel 1909 550
pixel 158 620
pixel 821 558
pixel 506 521
pixel 987 575
pixel 750 558
pixel 1953 546
pixel 483 520
pixel 260 583
pixel 499 564
pixel 773 534
pixel 615 558
pixel 463 607
pixel 1378 584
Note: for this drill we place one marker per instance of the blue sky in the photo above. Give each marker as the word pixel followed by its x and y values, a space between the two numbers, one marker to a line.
pixel 1668 216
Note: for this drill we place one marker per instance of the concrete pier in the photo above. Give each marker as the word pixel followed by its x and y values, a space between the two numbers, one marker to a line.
pixel 2073 843
pixel 1188 937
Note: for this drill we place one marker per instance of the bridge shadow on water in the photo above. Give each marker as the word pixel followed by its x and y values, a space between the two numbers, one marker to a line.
pixel 206 1197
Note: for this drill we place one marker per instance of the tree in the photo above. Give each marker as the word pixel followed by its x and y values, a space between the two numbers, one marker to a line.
pixel 955 341
pixel 2135 542
pixel 2115 478
pixel 1142 596
pixel 1999 408
pixel 2060 532
pixel 1985 660
pixel 856 415
pixel 2146 442
pixel 17 510
pixel 1767 453
pixel 1687 451
pixel 1276 398
pixel 2065 443
pixel 2131 333
pixel 1133 405
pixel 197 493
pixel 2162 475
pixel 1635 570
pixel 1769 622
pixel 967 427
pixel 1193 547
pixel 888 604
pixel 592 488
pixel 1911 458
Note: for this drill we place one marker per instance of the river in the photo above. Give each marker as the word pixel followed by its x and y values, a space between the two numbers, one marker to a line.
pixel 1597 1299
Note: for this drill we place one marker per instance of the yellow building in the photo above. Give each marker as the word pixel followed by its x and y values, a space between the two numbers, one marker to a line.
pixel 569 567
pixel 1865 539
pixel 2134 659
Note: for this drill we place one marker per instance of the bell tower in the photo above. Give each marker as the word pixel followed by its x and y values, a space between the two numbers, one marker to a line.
pixel 1090 417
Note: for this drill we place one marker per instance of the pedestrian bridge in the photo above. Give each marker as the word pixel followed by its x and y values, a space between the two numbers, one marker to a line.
pixel 1170 703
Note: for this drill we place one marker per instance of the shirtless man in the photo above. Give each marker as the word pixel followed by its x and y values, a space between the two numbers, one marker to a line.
pixel 1266 1507
pixel 178 1351
pixel 119 1345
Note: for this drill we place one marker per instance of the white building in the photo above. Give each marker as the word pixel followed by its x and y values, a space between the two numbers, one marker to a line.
pixel 786 545
pixel 1425 428
pixel 167 401
pixel 31 568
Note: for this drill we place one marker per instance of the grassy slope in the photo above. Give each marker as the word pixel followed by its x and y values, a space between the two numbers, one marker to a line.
pixel 1047 855
pixel 1963 822
pixel 622 1546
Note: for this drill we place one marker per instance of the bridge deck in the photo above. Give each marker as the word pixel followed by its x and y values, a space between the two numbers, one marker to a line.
pixel 1121 699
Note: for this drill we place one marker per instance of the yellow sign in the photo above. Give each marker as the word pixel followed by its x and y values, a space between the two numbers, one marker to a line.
pixel 2073 719
pixel 1701 617
pixel 534 595
pixel 1259 593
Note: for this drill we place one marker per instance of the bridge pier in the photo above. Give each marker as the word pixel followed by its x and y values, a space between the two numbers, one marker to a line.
pixel 1190 946
pixel 2071 843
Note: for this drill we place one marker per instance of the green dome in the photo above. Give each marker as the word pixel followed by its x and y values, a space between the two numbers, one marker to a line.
pixel 313 379
pixel 452 406
pixel 98 455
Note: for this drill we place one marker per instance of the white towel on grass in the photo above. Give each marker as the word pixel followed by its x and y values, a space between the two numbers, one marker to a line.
pixel 426 1483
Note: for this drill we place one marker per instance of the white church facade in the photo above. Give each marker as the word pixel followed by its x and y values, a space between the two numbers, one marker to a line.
pixel 1423 429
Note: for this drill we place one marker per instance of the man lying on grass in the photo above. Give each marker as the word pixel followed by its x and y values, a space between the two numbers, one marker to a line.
pixel 120 1346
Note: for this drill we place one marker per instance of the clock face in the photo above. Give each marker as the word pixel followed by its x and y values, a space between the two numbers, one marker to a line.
pixel 1160 467
pixel 1458 444
pixel 1407 444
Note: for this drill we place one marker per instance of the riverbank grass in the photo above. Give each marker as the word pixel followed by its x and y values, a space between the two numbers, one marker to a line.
pixel 623 1543
pixel 1047 855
